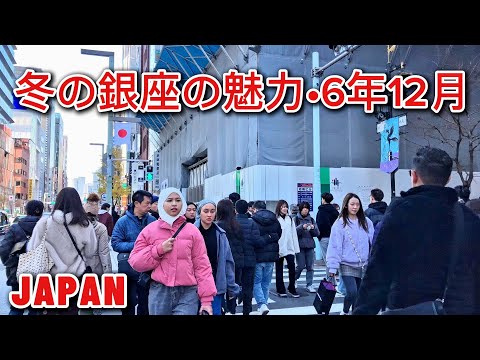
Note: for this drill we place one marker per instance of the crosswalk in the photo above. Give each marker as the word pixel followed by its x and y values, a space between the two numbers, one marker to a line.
pixel 302 305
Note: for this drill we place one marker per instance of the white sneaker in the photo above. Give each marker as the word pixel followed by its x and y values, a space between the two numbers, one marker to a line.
pixel 343 313
pixel 311 289
pixel 264 309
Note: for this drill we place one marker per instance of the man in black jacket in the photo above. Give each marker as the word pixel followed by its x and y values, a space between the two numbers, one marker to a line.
pixel 252 240
pixel 15 242
pixel 377 207
pixel 326 216
pixel 270 233
pixel 410 258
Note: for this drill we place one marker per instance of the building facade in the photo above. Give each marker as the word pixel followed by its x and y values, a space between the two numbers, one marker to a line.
pixel 23 191
pixel 198 145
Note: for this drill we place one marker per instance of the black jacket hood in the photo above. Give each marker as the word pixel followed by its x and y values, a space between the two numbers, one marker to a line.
pixel 380 206
pixel 264 217
pixel 329 209
pixel 28 223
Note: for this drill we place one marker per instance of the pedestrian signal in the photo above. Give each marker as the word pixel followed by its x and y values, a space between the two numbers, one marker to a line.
pixel 149 173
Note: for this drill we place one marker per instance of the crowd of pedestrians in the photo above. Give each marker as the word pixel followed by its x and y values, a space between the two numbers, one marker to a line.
pixel 209 257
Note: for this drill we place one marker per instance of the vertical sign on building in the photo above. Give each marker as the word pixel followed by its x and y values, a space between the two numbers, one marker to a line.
pixel 156 170
pixel 30 189
pixel 305 193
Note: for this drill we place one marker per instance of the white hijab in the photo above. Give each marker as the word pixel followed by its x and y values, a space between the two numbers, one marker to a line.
pixel 161 199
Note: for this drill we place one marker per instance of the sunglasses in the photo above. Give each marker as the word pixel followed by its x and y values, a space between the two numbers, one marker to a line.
pixel 410 172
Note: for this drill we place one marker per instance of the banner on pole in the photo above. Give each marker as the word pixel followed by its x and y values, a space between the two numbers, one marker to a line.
pixel 122 134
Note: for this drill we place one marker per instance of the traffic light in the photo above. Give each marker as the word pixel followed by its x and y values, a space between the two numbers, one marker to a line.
pixel 149 173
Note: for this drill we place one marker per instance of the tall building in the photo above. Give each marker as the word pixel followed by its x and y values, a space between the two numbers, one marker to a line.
pixel 62 163
pixel 81 186
pixel 22 188
pixel 6 169
pixel 28 125
pixel 7 83
pixel 258 152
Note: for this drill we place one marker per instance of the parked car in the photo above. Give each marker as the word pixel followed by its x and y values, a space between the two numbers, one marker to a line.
pixel 4 223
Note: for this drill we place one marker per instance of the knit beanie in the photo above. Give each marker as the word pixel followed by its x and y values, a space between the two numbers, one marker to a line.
pixel 201 204
pixel 34 208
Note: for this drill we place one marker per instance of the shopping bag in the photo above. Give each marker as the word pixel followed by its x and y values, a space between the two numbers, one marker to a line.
pixel 324 297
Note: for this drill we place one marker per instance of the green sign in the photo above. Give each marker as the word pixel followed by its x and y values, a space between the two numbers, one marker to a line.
pixel 237 181
pixel 149 176
pixel 124 185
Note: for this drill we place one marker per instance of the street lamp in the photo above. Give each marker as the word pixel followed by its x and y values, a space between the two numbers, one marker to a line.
pixel 111 63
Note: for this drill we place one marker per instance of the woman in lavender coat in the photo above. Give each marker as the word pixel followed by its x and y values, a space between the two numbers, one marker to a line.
pixel 348 247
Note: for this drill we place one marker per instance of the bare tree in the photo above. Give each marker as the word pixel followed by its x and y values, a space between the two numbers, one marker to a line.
pixel 458 134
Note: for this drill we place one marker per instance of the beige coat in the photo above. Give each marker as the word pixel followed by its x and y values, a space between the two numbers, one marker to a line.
pixel 102 262
pixel 60 246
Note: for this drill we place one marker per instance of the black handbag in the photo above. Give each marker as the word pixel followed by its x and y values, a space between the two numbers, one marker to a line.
pixel 125 268
pixel 325 296
pixel 145 278
pixel 435 307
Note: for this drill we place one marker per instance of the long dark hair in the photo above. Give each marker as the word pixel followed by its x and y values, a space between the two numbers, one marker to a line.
pixel 280 203
pixel 68 200
pixel 360 214
pixel 226 214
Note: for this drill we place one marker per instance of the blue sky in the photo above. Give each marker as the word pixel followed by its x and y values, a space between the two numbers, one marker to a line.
pixel 87 126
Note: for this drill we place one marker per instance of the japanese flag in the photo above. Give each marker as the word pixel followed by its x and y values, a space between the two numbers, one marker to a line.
pixel 122 134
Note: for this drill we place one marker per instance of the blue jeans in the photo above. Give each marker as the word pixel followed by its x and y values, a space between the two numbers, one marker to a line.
pixel 305 259
pixel 261 285
pixel 352 285
pixel 323 248
pixel 217 304
pixel 341 286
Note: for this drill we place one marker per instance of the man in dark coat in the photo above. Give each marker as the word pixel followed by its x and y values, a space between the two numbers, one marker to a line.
pixel 252 240
pixel 15 242
pixel 409 260
pixel 377 207
pixel 326 216
pixel 270 233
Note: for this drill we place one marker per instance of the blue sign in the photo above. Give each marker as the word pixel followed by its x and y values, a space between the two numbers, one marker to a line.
pixel 16 103
pixel 390 144
pixel 305 193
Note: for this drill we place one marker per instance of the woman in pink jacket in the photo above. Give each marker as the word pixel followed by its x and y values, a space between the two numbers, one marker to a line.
pixel 182 273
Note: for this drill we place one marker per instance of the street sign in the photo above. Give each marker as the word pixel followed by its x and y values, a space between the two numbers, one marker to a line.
pixel 104 197
pixel 305 193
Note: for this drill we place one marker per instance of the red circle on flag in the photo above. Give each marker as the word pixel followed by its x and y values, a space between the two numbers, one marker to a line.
pixel 122 133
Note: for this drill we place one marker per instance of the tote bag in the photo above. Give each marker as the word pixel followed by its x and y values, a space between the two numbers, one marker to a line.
pixel 36 261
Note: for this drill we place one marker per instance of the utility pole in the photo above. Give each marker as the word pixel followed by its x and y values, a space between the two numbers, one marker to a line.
pixel 317 72
pixel 111 64
pixel 389 70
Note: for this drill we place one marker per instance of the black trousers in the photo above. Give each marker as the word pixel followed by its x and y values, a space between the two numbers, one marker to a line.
pixel 248 275
pixel 279 274
pixel 136 295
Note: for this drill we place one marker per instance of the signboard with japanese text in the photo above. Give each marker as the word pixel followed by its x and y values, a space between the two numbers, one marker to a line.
pixel 305 193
